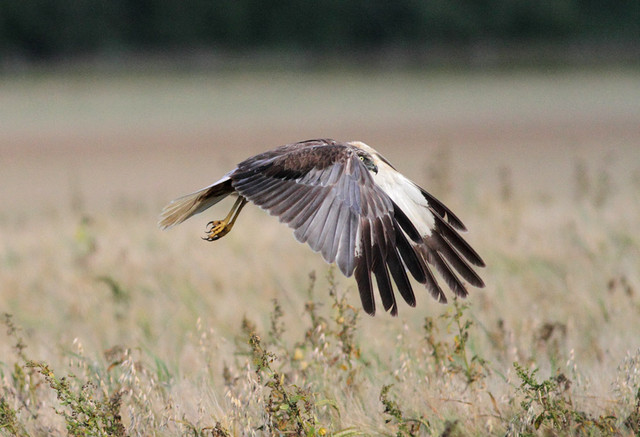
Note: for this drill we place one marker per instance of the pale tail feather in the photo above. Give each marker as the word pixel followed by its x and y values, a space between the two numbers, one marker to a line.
pixel 182 208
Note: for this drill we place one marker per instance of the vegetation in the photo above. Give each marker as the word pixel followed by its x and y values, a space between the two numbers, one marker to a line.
pixel 282 388
pixel 115 328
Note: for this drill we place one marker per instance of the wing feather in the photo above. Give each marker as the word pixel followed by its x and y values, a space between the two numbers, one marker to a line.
pixel 363 268
pixel 330 231
pixel 441 245
pixel 406 224
pixel 314 199
pixel 443 211
pixel 453 282
pixel 448 232
pixel 383 282
pixel 318 225
pixel 293 205
pixel 411 257
pixel 345 254
pixel 399 274
pixel 433 287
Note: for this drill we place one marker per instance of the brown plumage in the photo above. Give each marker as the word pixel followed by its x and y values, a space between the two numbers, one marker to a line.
pixel 348 203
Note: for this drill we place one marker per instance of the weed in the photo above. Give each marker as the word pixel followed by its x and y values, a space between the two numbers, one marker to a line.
pixel 438 348
pixel 213 431
pixel 9 420
pixel 24 382
pixel 277 325
pixel 405 427
pixel 473 369
pixel 346 320
pixel 453 356
pixel 313 334
pixel 632 421
pixel 550 404
pixel 83 410
pixel 289 408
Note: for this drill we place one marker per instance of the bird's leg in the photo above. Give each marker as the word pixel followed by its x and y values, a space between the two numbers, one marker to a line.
pixel 217 229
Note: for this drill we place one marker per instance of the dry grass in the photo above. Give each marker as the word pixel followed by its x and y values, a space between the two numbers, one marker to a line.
pixel 119 329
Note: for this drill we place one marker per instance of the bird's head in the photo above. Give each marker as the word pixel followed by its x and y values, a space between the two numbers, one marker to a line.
pixel 369 156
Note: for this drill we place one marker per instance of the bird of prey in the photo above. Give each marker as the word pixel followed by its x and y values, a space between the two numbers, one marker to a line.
pixel 347 202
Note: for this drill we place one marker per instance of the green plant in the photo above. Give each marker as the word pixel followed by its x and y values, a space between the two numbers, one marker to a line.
pixel 346 321
pixel 632 421
pixel 23 382
pixel 289 408
pixel 453 355
pixel 405 427
pixel 213 431
pixel 85 412
pixel 551 406
pixel 9 420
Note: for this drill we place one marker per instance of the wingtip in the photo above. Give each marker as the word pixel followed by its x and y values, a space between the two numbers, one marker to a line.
pixel 394 311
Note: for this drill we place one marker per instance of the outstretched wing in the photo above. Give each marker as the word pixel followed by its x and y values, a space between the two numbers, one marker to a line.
pixel 325 193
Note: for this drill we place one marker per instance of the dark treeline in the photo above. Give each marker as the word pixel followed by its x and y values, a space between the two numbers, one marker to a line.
pixel 42 29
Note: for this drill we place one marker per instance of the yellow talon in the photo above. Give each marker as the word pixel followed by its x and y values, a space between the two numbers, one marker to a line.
pixel 217 229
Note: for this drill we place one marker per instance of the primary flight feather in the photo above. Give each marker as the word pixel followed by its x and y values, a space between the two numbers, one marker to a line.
pixel 349 203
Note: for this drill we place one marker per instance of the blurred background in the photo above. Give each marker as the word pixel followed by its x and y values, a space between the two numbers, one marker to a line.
pixel 143 99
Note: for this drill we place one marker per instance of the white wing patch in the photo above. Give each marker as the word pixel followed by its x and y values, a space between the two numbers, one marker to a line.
pixel 406 195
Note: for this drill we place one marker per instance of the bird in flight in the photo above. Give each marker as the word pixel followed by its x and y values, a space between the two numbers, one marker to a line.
pixel 349 203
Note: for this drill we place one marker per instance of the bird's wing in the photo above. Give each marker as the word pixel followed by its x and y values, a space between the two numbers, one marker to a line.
pixel 325 193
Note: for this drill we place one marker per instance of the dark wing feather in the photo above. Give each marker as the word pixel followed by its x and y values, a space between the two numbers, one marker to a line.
pixel 379 266
pixel 452 236
pixel 363 269
pixel 399 274
pixel 434 258
pixel 443 211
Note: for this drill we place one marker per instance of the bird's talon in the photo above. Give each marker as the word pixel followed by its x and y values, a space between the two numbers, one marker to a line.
pixel 216 229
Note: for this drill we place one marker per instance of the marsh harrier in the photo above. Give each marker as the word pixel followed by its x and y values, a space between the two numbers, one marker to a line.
pixel 349 203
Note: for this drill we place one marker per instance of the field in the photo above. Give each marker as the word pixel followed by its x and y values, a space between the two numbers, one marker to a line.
pixel 114 327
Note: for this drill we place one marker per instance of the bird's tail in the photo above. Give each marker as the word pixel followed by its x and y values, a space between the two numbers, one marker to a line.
pixel 182 208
